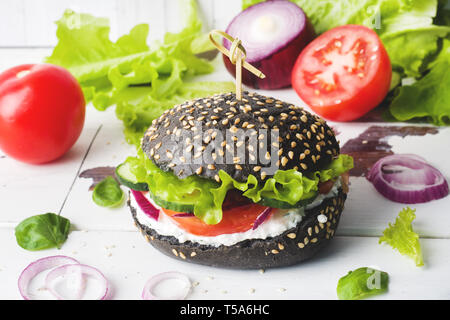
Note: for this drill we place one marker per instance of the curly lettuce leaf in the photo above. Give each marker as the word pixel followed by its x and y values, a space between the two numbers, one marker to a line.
pixel 192 190
pixel 410 49
pixel 207 196
pixel 85 50
pixel 137 108
pixel 402 237
pixel 428 97
pixel 141 81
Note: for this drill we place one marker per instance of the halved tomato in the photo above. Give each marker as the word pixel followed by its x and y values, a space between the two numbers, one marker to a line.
pixel 237 219
pixel 343 73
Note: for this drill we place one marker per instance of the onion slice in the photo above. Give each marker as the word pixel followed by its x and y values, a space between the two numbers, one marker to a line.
pixel 408 179
pixel 147 293
pixel 273 34
pixel 38 266
pixel 183 215
pixel 262 217
pixel 77 269
pixel 145 205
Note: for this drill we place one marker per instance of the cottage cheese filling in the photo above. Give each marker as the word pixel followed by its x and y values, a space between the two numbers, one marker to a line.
pixel 280 221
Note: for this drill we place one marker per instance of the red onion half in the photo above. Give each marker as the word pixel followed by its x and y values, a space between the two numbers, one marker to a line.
pixel 407 178
pixel 273 33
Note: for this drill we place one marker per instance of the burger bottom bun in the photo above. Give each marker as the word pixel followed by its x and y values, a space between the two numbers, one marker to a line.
pixel 291 247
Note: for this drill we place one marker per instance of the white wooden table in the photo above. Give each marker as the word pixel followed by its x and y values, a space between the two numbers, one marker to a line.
pixel 108 240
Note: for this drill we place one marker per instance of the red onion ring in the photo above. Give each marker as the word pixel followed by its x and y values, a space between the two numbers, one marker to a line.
pixel 408 179
pixel 262 217
pixel 38 266
pixel 147 293
pixel 145 205
pixel 77 269
pixel 183 215
pixel 61 265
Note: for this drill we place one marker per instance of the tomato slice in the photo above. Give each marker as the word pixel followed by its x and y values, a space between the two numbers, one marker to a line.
pixel 237 219
pixel 343 73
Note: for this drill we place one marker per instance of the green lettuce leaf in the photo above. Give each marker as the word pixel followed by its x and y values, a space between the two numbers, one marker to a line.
pixel 402 237
pixel 85 50
pixel 410 49
pixel 137 108
pixel 362 283
pixel 428 97
pixel 207 196
pixel 443 15
pixel 141 81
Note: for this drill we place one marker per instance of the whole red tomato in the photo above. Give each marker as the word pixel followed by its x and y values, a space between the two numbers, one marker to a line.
pixel 42 111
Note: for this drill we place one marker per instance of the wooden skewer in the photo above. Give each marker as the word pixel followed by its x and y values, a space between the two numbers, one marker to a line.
pixel 237 55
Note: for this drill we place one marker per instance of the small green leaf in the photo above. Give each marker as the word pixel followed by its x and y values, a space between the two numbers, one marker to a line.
pixel 43 231
pixel 402 237
pixel 362 283
pixel 108 193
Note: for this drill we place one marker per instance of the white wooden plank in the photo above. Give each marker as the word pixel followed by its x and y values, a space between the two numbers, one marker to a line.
pixel 27 190
pixel 131 13
pixel 128 261
pixel 12 57
pixel 40 18
pixel 225 11
pixel 108 149
pixel 12 23
pixel 206 13
pixel 30 23
pixel 173 17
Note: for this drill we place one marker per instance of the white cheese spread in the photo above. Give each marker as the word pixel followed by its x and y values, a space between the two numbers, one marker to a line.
pixel 280 221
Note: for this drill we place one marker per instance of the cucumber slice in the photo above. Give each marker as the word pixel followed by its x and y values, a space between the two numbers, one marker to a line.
pixel 273 203
pixel 177 207
pixel 128 179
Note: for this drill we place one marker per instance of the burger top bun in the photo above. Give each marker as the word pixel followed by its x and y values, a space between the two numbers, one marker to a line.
pixel 254 136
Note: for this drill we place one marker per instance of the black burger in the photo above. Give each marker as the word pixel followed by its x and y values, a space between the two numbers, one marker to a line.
pixel 250 183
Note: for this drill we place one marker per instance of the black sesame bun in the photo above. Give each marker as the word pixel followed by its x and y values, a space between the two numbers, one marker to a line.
pixel 291 247
pixel 304 142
